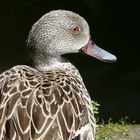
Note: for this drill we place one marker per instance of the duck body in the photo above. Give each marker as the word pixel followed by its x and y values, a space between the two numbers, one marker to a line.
pixel 48 100
pixel 50 105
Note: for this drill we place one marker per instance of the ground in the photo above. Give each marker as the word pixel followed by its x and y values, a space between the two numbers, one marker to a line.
pixel 118 132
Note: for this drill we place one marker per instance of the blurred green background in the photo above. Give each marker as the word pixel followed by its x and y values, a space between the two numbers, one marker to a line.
pixel 114 26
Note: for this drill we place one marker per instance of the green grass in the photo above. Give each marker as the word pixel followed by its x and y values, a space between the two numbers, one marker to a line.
pixel 118 132
pixel 122 130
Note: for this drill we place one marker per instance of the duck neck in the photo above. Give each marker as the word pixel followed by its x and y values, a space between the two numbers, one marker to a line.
pixel 50 63
pixel 55 63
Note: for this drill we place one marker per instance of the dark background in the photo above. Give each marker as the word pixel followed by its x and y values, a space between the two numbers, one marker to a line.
pixel 114 26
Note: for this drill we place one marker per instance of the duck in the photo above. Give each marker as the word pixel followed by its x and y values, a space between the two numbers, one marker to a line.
pixel 48 100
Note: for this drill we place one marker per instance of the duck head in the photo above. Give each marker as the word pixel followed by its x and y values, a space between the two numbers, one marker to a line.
pixel 60 32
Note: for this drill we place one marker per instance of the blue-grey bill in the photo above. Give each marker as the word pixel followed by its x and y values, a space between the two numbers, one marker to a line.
pixel 93 50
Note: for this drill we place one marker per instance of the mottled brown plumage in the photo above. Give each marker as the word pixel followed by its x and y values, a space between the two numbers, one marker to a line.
pixel 42 105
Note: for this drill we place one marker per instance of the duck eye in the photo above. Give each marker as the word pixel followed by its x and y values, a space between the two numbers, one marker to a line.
pixel 75 29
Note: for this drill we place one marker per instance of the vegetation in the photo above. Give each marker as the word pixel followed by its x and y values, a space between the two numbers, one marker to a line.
pixel 118 132
pixel 95 106
pixel 122 130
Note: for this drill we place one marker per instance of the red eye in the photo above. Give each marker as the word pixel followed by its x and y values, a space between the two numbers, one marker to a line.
pixel 75 29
